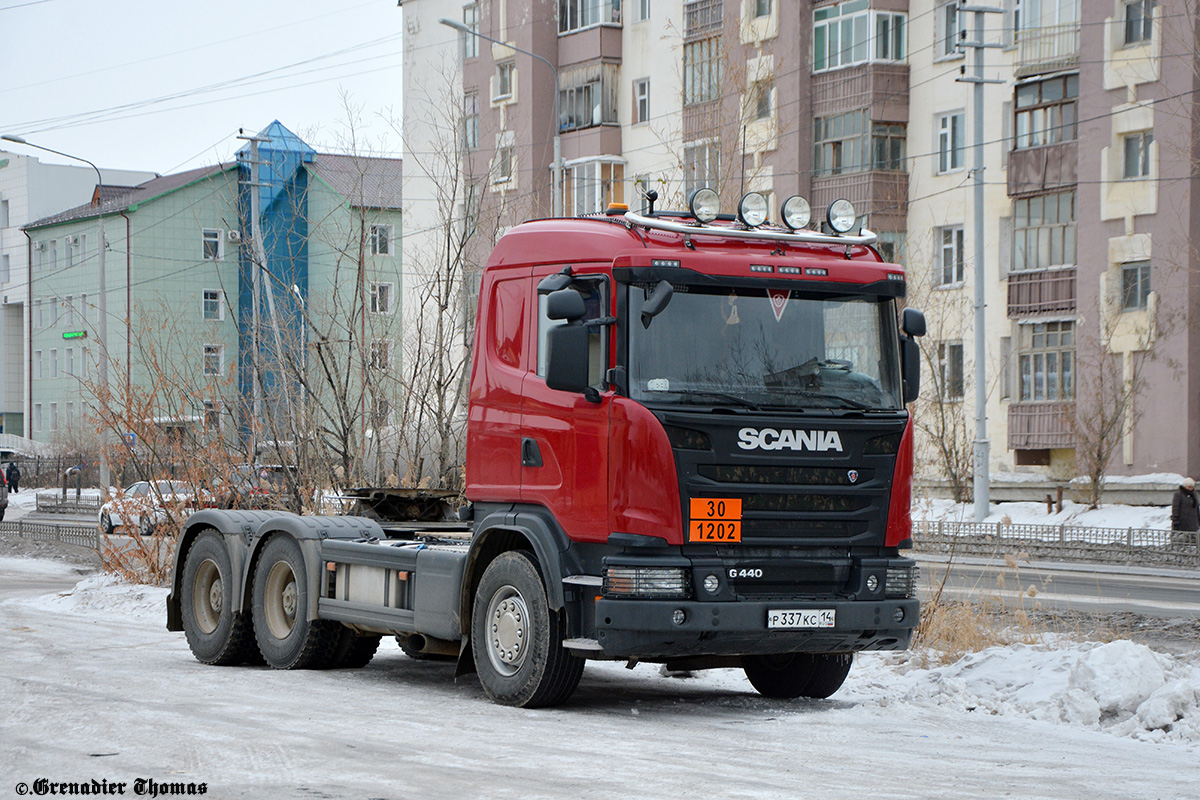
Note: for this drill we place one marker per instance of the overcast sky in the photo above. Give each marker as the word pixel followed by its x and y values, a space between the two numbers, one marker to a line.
pixel 164 85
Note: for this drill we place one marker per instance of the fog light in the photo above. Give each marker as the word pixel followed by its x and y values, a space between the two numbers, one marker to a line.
pixel 872 583
pixel 901 582
pixel 898 615
pixel 679 617
pixel 841 216
pixel 711 584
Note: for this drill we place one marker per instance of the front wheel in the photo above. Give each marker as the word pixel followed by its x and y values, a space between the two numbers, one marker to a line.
pixel 517 639
pixel 106 524
pixel 215 634
pixel 286 637
pixel 790 675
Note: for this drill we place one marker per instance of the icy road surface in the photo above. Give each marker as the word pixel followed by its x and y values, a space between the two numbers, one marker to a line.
pixel 94 688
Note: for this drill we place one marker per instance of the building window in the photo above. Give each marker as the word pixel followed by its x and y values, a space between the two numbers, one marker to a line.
pixel 52 310
pixel 212 244
pixel 843 35
pixel 950 370
pixel 1137 154
pixel 701 167
pixel 1046 111
pixel 643 10
pixel 840 143
pixel 641 101
pixel 592 186
pixel 214 359
pixel 950 254
pixel 587 96
pixel 701 71
pixel 70 415
pixel 891 246
pixel 471 121
pixel 381 355
pixel 70 360
pixel 381 298
pixel 1139 21
pixel 951 131
pixel 37 417
pixel 212 308
pixel 1046 361
pixel 54 362
pixel 470 44
pixel 1044 231
pixel 762 8
pixel 380 412
pixel 760 100
pixel 54 416
pixel 69 312
pixel 84 357
pixel 575 15
pixel 381 240
pixel 504 164
pixel 1135 286
pixel 83 309
pixel 887 146
pixel 947 35
pixel 37 365
pixel 212 416
pixel 504 80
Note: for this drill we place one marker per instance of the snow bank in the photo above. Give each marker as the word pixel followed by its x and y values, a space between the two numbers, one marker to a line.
pixel 1110 516
pixel 1121 688
pixel 106 595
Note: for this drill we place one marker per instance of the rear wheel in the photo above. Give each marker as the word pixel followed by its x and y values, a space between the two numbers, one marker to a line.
pixel 106 524
pixel 353 651
pixel 215 634
pixel 287 638
pixel 516 638
pixel 790 675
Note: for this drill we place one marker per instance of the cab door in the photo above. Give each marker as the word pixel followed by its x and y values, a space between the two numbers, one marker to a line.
pixel 564 450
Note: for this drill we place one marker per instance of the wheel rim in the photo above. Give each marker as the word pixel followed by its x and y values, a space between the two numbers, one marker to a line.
pixel 281 600
pixel 508 631
pixel 208 596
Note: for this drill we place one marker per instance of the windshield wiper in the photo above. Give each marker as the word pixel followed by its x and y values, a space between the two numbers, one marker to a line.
pixel 845 401
pixel 732 398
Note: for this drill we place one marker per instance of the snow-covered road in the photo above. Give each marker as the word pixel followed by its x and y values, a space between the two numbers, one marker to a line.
pixel 94 688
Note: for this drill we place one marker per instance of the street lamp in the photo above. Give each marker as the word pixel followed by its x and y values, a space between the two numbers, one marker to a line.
pixel 103 330
pixel 558 166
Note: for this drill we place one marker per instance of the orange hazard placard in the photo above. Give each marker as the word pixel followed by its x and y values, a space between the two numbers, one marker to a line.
pixel 715 519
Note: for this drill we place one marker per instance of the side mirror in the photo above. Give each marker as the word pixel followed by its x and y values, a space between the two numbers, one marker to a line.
pixel 659 297
pixel 567 356
pixel 912 322
pixel 565 304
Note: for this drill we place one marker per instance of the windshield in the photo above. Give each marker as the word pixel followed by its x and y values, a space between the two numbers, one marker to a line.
pixel 761 348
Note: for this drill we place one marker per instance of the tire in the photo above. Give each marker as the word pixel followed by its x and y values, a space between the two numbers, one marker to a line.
pixel 215 634
pixel 106 524
pixel 145 526
pixel 829 674
pixel 286 637
pixel 516 639
pixel 787 676
pixel 353 651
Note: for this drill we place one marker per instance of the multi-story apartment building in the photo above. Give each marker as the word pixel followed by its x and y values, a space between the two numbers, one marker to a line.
pixel 1088 166
pixel 220 282
pixel 29 190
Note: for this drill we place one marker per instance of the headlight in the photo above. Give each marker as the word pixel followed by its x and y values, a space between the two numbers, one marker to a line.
pixel 901 582
pixel 752 210
pixel 796 212
pixel 841 216
pixel 646 582
pixel 704 204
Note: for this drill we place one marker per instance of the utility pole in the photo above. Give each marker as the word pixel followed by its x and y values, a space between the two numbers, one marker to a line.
pixel 256 259
pixel 982 449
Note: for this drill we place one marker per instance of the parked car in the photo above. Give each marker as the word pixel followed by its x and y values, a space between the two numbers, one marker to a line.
pixel 144 505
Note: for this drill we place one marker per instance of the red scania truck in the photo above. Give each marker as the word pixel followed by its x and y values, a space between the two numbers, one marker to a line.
pixel 687 443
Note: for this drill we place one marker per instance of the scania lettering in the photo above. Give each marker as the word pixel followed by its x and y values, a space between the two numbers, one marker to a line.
pixel 688 442
pixel 769 439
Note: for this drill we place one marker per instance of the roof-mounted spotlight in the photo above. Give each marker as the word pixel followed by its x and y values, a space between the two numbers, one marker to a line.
pixel 752 209
pixel 841 216
pixel 796 212
pixel 705 205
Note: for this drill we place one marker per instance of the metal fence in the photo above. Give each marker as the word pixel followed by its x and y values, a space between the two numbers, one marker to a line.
pixel 78 535
pixel 69 503
pixel 1133 546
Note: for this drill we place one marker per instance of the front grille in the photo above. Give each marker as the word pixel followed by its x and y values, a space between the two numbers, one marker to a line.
pixel 828 503
pixel 784 476
pixel 800 529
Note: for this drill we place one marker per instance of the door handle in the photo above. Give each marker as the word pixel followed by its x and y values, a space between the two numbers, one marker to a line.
pixel 531 455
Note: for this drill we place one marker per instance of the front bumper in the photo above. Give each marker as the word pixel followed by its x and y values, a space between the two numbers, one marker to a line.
pixel 630 628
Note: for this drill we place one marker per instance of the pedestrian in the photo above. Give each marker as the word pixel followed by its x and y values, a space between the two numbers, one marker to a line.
pixel 1185 511
pixel 13 476
pixel 3 497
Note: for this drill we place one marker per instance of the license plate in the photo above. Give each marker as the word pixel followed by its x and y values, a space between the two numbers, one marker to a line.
pixel 801 618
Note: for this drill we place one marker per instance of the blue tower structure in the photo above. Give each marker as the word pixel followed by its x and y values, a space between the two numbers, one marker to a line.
pixel 273 276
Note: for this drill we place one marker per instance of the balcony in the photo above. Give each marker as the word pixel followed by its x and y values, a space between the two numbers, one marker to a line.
pixel 881 87
pixel 1048 168
pixel 1041 426
pixel 1047 49
pixel 1042 291
pixel 882 196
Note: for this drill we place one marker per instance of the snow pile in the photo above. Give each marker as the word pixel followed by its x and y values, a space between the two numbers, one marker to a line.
pixel 109 596
pixel 1110 516
pixel 1121 688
